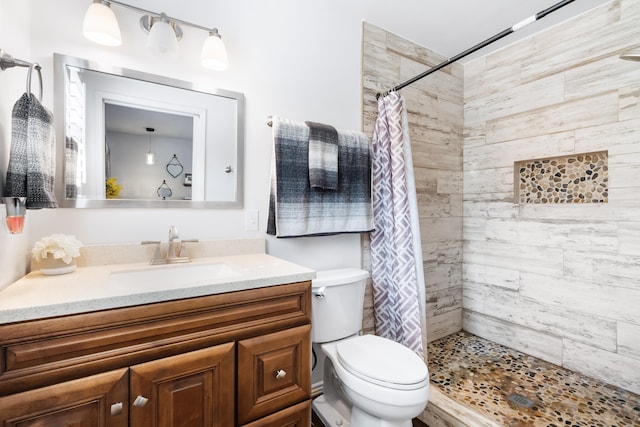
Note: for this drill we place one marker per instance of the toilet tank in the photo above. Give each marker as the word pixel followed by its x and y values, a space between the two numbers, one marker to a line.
pixel 337 303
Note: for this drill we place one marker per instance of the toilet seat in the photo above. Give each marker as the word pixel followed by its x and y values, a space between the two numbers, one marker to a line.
pixel 383 362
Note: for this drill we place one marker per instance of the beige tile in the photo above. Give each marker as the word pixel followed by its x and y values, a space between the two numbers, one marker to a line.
pixel 538 344
pixel 629 340
pixel 615 369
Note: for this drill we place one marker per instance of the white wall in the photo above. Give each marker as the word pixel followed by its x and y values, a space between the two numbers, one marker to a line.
pixel 14 34
pixel 297 60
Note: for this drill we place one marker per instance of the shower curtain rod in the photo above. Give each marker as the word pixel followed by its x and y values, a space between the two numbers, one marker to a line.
pixel 479 46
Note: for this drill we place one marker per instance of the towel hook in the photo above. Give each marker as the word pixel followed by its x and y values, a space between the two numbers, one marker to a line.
pixel 38 68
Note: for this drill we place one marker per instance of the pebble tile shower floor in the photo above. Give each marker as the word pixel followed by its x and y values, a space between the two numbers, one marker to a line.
pixel 482 375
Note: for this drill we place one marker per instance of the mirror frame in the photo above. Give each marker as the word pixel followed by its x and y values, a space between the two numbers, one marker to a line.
pixel 61 62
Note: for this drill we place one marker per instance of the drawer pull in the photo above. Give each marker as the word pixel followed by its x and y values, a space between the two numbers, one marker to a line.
pixel 280 374
pixel 116 409
pixel 140 401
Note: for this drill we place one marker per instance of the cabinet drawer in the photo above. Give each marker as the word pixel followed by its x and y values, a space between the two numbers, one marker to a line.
pixel 296 416
pixel 274 372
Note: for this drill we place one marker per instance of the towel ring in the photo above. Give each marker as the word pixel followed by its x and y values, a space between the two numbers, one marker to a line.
pixel 38 68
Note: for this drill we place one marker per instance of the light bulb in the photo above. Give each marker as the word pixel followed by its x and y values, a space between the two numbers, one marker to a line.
pixel 162 38
pixel 214 52
pixel 150 158
pixel 101 26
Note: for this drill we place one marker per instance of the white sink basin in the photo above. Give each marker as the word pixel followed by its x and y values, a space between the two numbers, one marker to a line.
pixel 171 276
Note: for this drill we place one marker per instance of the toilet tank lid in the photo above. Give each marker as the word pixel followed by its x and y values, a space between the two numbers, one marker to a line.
pixel 340 276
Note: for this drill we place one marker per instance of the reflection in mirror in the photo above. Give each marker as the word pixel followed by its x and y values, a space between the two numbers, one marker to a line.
pixel 142 146
pixel 125 133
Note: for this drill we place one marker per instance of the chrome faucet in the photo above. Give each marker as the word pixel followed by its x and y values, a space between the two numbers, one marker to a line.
pixel 174 249
pixel 175 246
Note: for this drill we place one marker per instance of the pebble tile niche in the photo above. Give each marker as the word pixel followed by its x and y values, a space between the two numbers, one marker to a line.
pixel 579 178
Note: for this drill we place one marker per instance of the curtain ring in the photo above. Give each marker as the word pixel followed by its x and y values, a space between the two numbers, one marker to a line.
pixel 38 68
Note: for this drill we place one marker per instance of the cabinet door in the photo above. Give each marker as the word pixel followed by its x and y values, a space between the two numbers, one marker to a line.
pixel 95 401
pixel 194 389
pixel 296 416
pixel 274 372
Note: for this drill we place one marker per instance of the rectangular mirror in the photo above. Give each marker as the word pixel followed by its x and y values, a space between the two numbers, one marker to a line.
pixel 131 139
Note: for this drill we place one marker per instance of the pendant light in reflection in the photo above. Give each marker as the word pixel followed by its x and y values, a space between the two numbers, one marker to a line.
pixel 151 158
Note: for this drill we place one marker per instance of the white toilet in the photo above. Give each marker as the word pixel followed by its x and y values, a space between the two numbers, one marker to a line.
pixel 367 381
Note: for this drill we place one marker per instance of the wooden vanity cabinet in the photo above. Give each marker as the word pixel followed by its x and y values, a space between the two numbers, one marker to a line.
pixel 239 358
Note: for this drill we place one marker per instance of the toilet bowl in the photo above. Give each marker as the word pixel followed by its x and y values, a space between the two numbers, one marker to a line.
pixel 368 381
pixel 380 377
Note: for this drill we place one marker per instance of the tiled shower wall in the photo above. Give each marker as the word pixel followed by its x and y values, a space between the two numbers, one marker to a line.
pixel 435 114
pixel 557 281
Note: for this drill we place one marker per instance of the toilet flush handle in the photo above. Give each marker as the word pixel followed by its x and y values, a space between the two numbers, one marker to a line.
pixel 319 293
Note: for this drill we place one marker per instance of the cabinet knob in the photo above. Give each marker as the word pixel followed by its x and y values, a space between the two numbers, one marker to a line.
pixel 140 401
pixel 116 409
pixel 280 373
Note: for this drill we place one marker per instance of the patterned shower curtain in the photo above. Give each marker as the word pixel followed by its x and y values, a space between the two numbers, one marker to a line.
pixel 396 254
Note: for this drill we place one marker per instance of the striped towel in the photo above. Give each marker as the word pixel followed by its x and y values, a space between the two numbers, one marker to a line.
pixel 32 158
pixel 323 156
pixel 296 209
pixel 71 167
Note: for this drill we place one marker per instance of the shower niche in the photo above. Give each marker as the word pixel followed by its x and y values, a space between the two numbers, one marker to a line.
pixel 576 178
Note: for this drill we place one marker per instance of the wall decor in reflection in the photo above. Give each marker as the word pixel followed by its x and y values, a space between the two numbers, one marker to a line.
pixel 174 167
pixel 164 191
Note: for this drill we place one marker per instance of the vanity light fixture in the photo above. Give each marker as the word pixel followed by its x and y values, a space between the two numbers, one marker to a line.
pixel 150 156
pixel 214 54
pixel 163 34
pixel 101 26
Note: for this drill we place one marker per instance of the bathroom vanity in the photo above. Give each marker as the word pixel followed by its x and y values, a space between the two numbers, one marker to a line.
pixel 233 352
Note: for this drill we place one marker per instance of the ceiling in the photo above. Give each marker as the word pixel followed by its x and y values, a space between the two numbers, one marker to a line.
pixel 447 27
pixel 134 121
pixel 450 27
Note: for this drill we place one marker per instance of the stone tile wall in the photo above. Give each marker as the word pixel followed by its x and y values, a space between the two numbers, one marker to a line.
pixel 557 280
pixel 435 113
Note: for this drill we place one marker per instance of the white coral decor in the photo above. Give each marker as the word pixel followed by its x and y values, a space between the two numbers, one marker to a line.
pixel 61 246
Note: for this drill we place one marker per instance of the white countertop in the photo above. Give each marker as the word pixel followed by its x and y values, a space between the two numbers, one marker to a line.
pixel 37 296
